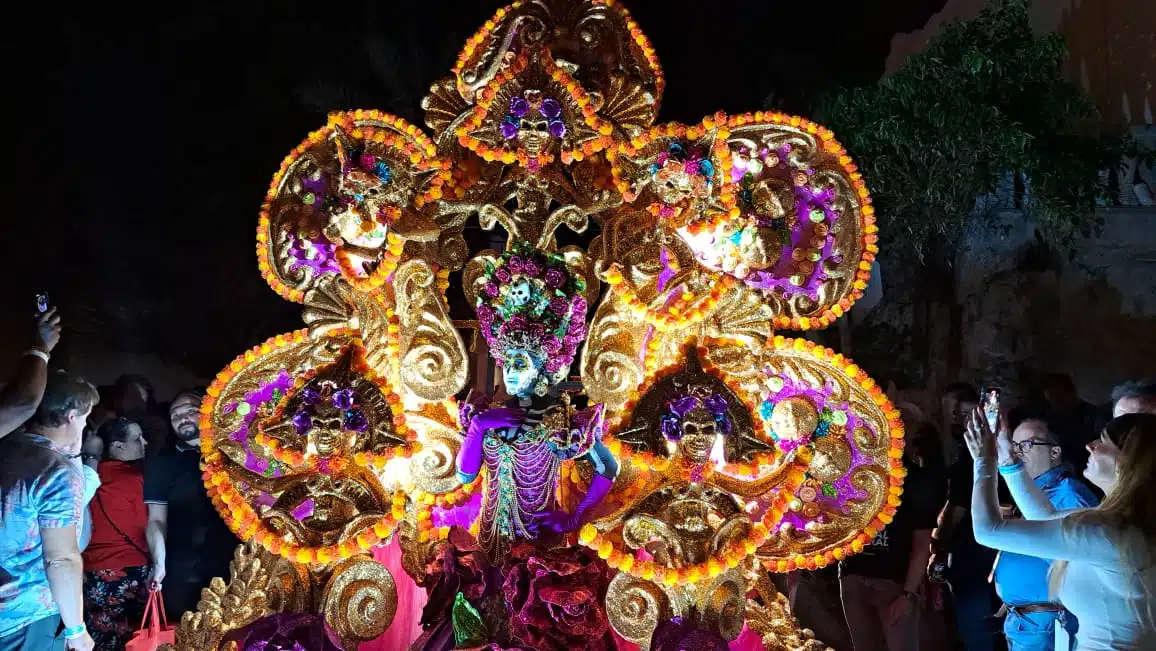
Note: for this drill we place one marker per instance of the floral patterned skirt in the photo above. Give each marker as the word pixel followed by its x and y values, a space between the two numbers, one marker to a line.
pixel 114 602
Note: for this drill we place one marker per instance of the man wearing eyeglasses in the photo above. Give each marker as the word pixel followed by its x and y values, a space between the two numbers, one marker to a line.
pixel 1022 581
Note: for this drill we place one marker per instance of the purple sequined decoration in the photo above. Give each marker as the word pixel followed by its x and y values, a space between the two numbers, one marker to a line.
pixel 269 392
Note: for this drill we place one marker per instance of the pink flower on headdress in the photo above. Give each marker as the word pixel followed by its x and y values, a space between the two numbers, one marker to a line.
pixel 485 315
pixel 502 274
pixel 555 278
pixel 517 322
pixel 516 264
pixel 579 307
pixel 559 306
pixel 551 344
pixel 578 329
pixel 554 364
pixel 491 289
pixel 532 268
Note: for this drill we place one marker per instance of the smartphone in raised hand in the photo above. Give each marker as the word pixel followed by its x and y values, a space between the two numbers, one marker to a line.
pixel 990 399
pixel 42 303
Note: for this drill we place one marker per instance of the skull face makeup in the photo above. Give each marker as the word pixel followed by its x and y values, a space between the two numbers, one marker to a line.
pixel 532 313
pixel 521 373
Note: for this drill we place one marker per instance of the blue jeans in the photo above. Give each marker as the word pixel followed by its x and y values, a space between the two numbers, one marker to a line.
pixel 1037 631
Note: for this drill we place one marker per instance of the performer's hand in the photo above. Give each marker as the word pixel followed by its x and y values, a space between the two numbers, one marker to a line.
pixel 559 521
pixel 978 436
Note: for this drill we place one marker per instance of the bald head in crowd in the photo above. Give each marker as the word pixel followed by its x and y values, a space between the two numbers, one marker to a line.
pixel 1134 397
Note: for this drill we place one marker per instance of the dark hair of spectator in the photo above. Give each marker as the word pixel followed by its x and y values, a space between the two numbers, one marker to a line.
pixel 962 391
pixel 924 444
pixel 115 430
pixel 129 380
pixel 1038 415
pixel 1061 381
pixel 62 394
pixel 1121 428
pixel 192 392
pixel 1144 387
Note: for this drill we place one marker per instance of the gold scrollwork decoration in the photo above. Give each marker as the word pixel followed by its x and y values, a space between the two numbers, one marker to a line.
pixel 433 355
pixel 636 607
pixel 227 606
pixel 359 600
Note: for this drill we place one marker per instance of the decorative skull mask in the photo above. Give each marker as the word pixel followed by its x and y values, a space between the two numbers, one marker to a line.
pixel 365 195
pixel 679 175
pixel 520 293
pixel 534 121
pixel 330 418
pixel 699 433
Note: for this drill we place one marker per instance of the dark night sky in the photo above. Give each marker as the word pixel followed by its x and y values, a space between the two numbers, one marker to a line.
pixel 145 141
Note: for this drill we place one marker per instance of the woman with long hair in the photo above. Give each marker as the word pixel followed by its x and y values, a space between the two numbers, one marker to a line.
pixel 1104 571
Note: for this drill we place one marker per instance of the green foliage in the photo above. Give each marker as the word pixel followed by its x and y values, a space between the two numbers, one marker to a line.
pixel 987 98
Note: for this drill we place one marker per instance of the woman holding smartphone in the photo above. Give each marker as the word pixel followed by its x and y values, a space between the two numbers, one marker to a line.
pixel 1105 569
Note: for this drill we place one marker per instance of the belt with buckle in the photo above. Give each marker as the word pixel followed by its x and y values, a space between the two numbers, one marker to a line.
pixel 1028 609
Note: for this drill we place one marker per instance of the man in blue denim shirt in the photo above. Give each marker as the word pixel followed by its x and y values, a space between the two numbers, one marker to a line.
pixel 1022 581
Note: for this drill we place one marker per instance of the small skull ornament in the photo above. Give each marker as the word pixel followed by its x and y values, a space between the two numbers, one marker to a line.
pixel 520 293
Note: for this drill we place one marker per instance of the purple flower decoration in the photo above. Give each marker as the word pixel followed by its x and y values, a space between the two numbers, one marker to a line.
pixel 671 428
pixel 343 399
pixel 310 396
pixel 502 274
pixel 559 306
pixel 509 129
pixel 519 106
pixel 553 365
pixel 555 278
pixel 532 268
pixel 550 108
pixel 367 161
pixel 578 329
pixel 557 128
pixel 580 306
pixel 355 420
pixel 516 264
pixel 485 315
pixel 303 422
pixel 716 404
pixel 682 406
pixel 551 345
pixel 491 289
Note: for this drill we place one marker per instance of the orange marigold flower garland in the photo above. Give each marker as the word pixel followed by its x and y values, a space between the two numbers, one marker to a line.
pixel 402 141
pixel 235 508
pixel 684 311
pixel 787 499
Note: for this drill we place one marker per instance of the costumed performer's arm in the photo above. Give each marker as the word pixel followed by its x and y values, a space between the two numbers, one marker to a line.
pixel 476 424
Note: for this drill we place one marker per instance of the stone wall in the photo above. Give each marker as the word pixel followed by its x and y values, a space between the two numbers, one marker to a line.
pixel 1028 308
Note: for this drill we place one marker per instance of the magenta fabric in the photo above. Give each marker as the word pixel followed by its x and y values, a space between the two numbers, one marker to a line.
pixel 411 599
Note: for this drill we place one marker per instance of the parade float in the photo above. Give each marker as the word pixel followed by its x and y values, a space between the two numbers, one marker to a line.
pixel 661 446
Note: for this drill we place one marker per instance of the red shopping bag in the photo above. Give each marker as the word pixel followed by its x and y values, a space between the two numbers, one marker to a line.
pixel 154 628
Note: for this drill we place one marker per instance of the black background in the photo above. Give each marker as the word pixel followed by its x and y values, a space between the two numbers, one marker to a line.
pixel 140 143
